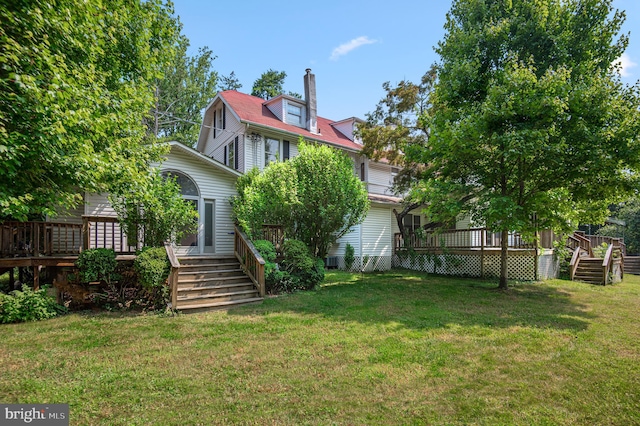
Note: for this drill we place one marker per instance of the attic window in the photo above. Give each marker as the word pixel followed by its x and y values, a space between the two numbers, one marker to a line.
pixel 294 114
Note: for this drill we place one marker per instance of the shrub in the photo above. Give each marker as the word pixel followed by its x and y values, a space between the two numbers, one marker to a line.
pixel 349 256
pixel 97 264
pixel 153 267
pixel 305 271
pixel 272 275
pixel 28 305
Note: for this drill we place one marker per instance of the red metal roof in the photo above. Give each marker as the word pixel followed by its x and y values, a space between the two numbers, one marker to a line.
pixel 251 110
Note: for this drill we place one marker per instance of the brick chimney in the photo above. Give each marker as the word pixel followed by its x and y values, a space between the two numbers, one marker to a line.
pixel 310 99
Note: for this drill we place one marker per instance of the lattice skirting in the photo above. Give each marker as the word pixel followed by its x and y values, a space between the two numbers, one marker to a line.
pixel 371 263
pixel 521 264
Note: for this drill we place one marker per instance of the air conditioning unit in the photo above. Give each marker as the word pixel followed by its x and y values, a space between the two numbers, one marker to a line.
pixel 331 262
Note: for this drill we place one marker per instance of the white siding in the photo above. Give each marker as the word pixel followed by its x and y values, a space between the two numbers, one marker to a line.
pixel 277 108
pixel 345 127
pixel 99 205
pixel 379 178
pixel 214 147
pixel 214 185
pixel 377 238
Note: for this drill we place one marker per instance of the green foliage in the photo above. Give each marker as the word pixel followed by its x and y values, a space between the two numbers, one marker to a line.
pixel 315 196
pixel 28 305
pixel 349 256
pixel 229 82
pixel 152 266
pixel 76 85
pixel 97 264
pixel 187 86
pixel 273 276
pixel 305 271
pixel 266 249
pixel 269 84
pixel 629 211
pixel 601 250
pixel 155 210
pixel 529 115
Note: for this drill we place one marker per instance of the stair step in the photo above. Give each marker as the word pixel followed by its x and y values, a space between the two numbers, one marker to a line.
pixel 206 275
pixel 215 291
pixel 230 294
pixel 190 308
pixel 185 283
pixel 204 285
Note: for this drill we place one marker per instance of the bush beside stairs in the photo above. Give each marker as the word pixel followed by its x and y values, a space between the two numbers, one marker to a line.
pixel 213 282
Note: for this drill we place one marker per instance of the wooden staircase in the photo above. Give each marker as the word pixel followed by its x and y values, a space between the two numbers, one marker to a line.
pixel 589 270
pixel 212 282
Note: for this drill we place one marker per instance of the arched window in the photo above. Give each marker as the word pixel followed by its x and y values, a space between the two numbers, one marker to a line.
pixel 190 193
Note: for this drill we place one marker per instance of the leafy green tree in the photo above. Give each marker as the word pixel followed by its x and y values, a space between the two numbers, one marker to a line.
pixel 76 84
pixel 156 211
pixel 629 212
pixel 229 82
pixel 530 116
pixel 269 84
pixel 181 94
pixel 400 125
pixel 315 196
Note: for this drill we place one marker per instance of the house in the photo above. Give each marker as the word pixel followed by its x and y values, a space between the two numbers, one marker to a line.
pixel 244 131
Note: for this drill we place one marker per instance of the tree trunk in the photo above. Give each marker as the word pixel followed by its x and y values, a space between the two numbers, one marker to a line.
pixel 504 250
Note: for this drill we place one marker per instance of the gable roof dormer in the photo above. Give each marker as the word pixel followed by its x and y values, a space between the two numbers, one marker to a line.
pixel 347 127
pixel 288 109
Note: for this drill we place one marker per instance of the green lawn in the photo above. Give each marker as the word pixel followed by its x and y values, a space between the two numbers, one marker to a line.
pixel 393 348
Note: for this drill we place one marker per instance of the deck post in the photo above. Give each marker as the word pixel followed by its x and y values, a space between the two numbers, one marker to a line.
pixel 483 236
pixel 12 280
pixel 86 234
pixel 535 254
pixel 36 277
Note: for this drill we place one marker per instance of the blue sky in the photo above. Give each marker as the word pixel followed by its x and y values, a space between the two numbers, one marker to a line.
pixel 353 47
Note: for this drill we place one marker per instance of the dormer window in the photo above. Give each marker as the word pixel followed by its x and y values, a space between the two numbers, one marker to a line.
pixel 294 114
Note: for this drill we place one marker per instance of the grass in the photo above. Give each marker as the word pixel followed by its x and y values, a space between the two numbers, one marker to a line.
pixel 389 348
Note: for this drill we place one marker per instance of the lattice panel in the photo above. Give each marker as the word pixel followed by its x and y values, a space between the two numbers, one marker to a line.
pixel 520 267
pixel 449 264
pixel 373 263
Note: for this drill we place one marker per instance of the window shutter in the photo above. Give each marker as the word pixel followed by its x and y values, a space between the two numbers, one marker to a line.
pixel 214 123
pixel 225 155
pixel 285 150
pixel 224 116
pixel 362 172
pixel 236 154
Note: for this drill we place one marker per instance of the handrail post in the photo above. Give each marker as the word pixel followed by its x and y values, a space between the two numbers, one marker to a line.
pixel 86 231
pixel 173 274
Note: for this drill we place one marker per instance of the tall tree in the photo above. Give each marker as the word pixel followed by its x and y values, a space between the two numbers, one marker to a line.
pixel 269 84
pixel 399 125
pixel 185 88
pixel 76 83
pixel 530 115
pixel 315 196
pixel 229 82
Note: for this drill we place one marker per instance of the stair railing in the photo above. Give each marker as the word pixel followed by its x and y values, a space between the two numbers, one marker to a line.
pixel 575 260
pixel 173 274
pixel 250 259
pixel 612 257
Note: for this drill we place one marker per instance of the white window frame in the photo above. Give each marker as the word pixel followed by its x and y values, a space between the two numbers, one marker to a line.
pixel 299 118
pixel 231 154
pixel 270 156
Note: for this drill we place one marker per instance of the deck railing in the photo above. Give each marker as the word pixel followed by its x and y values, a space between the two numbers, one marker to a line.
pixel 27 239
pixel 275 234
pixel 250 260
pixel 39 238
pixel 477 238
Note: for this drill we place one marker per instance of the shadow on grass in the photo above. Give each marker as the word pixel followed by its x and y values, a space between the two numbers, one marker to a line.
pixel 421 301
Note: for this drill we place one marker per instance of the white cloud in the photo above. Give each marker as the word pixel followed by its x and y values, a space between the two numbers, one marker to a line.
pixel 345 48
pixel 625 65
